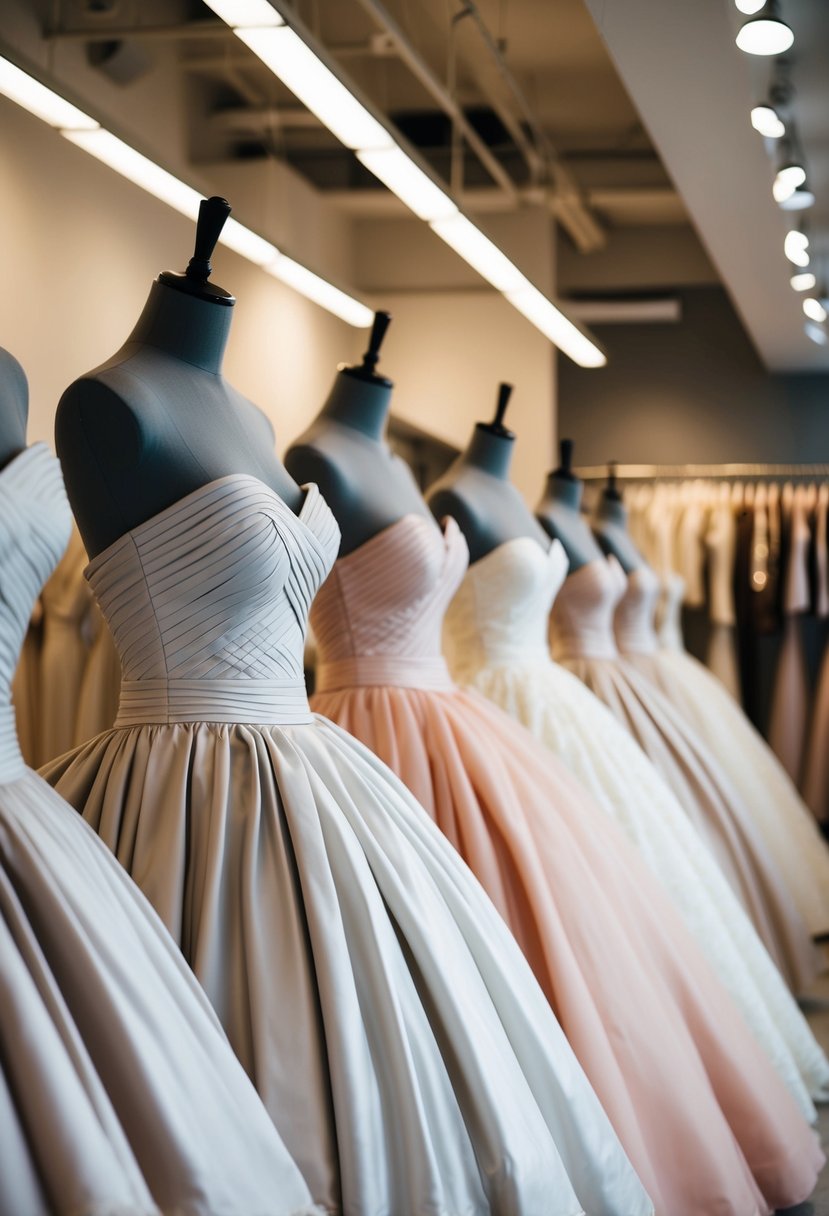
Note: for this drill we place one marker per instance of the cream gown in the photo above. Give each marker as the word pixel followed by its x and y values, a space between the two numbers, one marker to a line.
pixel 384 1012
pixel 495 639
pixel 790 696
pixel 119 1093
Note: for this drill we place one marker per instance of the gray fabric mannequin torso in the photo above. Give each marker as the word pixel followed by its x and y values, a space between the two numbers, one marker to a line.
pixel 344 451
pixel 559 514
pixel 610 528
pixel 157 421
pixel 476 491
pixel 14 408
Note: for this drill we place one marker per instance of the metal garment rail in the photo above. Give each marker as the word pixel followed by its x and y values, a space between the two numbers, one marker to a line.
pixel 657 472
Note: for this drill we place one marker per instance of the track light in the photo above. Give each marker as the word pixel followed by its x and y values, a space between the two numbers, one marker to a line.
pixel 816 333
pixel 766 120
pixel 814 310
pixel 796 247
pixel 749 7
pixel 799 200
pixel 766 34
pixel 804 281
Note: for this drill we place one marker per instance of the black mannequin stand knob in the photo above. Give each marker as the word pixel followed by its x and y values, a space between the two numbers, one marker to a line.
pixel 382 321
pixel 213 213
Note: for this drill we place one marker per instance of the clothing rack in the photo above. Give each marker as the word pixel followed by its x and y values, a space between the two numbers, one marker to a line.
pixel 654 472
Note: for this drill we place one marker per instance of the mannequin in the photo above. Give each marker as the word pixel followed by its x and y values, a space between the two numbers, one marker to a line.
pixel 14 408
pixel 558 512
pixel 476 491
pixel 610 527
pixel 344 452
pixel 157 420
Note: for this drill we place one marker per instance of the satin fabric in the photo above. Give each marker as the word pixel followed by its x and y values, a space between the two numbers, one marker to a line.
pixel 495 638
pixel 119 1093
pixel 386 1016
pixel 601 936
pixel 581 638
pixel 782 820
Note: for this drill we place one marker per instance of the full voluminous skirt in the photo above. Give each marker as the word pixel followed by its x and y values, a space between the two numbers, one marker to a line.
pixel 119 1095
pixel 373 993
pixel 636 1000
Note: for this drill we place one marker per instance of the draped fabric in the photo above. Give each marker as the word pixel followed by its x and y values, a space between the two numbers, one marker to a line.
pixel 631 990
pixel 386 1016
pixel 118 1091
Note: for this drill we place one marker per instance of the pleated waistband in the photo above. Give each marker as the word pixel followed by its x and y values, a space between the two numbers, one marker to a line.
pixel 378 670
pixel 585 644
pixel 258 702
pixel 12 765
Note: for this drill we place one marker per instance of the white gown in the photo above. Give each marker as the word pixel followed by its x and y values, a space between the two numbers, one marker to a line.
pixel 119 1094
pixel 384 1011
pixel 495 639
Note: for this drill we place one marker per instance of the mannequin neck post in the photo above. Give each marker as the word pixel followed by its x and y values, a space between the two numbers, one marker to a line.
pixel 359 404
pixel 185 327
pixel 567 491
pixel 489 452
pixel 14 408
pixel 612 511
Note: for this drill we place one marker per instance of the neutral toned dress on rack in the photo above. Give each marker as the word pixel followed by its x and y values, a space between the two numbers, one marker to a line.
pixel 495 638
pixel 778 813
pixel 26 688
pixel 67 607
pixel 720 544
pixel 387 1017
pixel 581 637
pixel 101 683
pixel 119 1093
pixel 790 698
pixel 815 783
pixel 632 992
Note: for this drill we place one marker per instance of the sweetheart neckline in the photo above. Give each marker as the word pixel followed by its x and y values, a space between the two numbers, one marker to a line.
pixel 442 528
pixel 554 546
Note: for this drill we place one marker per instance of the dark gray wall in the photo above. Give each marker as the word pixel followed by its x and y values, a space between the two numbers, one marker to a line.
pixel 695 391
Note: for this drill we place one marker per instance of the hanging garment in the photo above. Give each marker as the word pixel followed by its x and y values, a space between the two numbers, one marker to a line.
pixel 721 543
pixel 371 990
pixel 815 784
pixel 581 637
pixel 790 698
pixel 778 814
pixel 26 688
pixel 496 641
pixel 633 995
pixel 669 612
pixel 101 683
pixel 118 1090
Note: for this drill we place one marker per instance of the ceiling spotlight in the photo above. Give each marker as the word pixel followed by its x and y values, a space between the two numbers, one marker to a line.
pixel 796 248
pixel 804 281
pixel 816 333
pixel 814 310
pixel 798 200
pixel 790 174
pixel 765 35
pixel 749 7
pixel 766 120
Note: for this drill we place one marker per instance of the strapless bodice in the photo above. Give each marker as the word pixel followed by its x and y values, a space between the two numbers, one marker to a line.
pixel 378 617
pixel 208 604
pixel 669 611
pixel 35 523
pixel 636 613
pixel 581 623
pixel 499 615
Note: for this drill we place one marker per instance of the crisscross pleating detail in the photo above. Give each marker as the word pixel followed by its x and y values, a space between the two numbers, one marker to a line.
pixel 208 604
pixel 581 623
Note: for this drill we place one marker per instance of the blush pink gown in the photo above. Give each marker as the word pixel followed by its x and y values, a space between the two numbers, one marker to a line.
pixel 634 996
pixel 582 640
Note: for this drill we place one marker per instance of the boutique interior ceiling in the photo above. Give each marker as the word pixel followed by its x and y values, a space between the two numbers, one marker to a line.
pixel 630 121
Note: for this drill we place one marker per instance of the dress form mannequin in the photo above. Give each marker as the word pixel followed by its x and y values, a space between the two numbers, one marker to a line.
pixel 558 512
pixel 344 452
pixel 14 407
pixel 476 491
pixel 610 526
pixel 157 420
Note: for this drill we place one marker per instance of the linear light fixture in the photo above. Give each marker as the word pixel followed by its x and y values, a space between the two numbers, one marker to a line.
pixel 89 135
pixel 290 54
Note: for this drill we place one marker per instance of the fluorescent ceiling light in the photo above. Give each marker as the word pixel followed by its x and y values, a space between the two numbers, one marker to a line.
pixel 246 243
pixel 316 86
pixel 765 36
pixel 816 333
pixel 803 282
pixel 411 185
pixel 320 291
pixel 814 310
pixel 243 14
pixel 749 7
pixel 138 169
pixel 544 315
pixel 796 248
pixel 766 120
pixel 479 252
pixel 798 200
pixel 42 102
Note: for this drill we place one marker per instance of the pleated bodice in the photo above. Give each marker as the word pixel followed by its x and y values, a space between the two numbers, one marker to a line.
pixel 35 522
pixel 581 622
pixel 499 614
pixel 636 613
pixel 208 604
pixel 378 618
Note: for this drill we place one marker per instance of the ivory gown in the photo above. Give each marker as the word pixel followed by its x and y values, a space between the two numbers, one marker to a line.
pixel 495 638
pixel 784 823
pixel 371 990
pixel 634 996
pixel 581 638
pixel 118 1090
